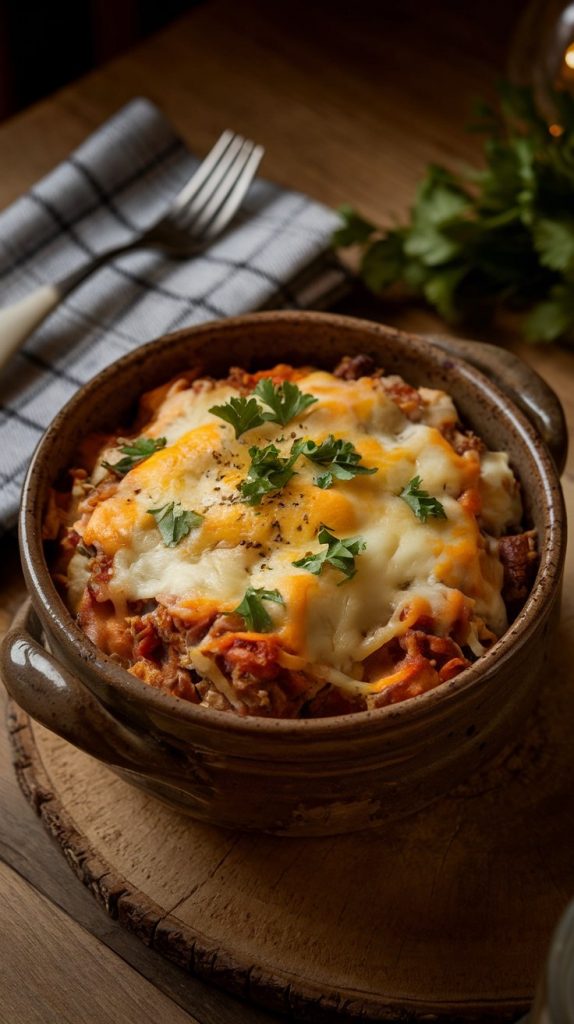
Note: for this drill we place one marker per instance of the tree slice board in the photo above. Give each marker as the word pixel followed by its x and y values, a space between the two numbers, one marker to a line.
pixel 445 915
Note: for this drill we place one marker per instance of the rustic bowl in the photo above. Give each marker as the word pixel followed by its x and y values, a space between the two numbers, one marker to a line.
pixel 312 777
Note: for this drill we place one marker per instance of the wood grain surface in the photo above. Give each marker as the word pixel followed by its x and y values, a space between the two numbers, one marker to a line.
pixel 350 109
pixel 104 988
pixel 25 846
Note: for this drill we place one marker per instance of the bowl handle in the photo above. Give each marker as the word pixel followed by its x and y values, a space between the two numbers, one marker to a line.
pixel 523 385
pixel 46 691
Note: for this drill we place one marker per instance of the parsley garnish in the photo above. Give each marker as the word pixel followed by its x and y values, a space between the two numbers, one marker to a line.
pixel 174 522
pixel 252 610
pixel 88 551
pixel 268 472
pixel 135 452
pixel 498 237
pixel 285 401
pixel 242 413
pixel 340 458
pixel 421 502
pixel 340 554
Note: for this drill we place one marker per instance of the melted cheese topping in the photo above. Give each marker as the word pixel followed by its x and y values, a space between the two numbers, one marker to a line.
pixel 442 567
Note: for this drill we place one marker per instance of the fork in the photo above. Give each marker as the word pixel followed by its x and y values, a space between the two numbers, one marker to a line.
pixel 196 216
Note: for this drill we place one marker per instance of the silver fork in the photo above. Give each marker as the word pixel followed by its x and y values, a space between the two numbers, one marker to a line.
pixel 199 213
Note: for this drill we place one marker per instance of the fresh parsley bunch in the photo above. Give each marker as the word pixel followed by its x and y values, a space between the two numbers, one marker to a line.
pixel 497 238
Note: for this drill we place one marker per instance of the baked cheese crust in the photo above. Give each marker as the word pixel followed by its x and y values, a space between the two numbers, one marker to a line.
pixel 425 596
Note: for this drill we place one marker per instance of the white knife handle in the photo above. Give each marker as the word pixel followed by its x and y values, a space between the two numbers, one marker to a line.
pixel 19 320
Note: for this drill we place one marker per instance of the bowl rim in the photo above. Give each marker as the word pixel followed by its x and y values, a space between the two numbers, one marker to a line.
pixel 57 619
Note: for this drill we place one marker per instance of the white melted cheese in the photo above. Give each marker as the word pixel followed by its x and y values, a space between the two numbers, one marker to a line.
pixel 408 567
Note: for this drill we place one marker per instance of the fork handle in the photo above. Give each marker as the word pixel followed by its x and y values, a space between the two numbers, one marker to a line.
pixel 18 321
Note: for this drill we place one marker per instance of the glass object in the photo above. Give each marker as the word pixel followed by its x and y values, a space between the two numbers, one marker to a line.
pixel 554 1002
pixel 542 49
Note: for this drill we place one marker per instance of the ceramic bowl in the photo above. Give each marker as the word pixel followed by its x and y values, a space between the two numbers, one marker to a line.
pixel 306 777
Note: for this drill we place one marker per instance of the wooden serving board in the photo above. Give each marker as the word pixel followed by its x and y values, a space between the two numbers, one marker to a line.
pixel 445 915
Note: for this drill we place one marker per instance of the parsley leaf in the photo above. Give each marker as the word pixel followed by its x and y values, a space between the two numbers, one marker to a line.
pixel 421 502
pixel 242 413
pixel 285 401
pixel 340 458
pixel 252 610
pixel 498 237
pixel 324 481
pixel 135 452
pixel 88 551
pixel 174 522
pixel 355 229
pixel 340 554
pixel 268 472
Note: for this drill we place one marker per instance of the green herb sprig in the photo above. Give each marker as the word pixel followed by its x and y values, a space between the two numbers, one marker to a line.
pixel 268 472
pixel 284 402
pixel 339 553
pixel 242 413
pixel 500 237
pixel 174 522
pixel 135 452
pixel 340 458
pixel 421 502
pixel 252 610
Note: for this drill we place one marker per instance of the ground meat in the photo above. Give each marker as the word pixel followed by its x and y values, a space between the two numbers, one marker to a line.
pixel 246 382
pixel 429 660
pixel 463 440
pixel 519 559
pixel 330 701
pixel 169 677
pixel 353 367
pixel 402 394
pixel 178 632
pixel 147 643
pixel 255 659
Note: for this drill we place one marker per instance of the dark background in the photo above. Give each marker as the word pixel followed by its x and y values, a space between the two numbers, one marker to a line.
pixel 44 45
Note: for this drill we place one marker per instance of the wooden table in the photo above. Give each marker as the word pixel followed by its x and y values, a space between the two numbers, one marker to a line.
pixel 350 108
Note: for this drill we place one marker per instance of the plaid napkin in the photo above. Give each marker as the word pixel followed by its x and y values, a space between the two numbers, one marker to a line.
pixel 115 184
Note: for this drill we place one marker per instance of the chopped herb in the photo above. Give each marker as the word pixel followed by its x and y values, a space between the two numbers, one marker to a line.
pixel 135 452
pixel 88 551
pixel 268 472
pixel 174 522
pixel 340 554
pixel 252 609
pixel 340 458
pixel 285 401
pixel 421 502
pixel 242 413
pixel 324 481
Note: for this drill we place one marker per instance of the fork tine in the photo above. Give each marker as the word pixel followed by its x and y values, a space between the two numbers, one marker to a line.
pixel 207 165
pixel 200 221
pixel 235 197
pixel 198 200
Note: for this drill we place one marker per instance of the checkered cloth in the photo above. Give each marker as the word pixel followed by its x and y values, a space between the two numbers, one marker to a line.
pixel 118 182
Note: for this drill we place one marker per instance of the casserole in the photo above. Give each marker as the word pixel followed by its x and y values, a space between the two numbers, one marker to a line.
pixel 195 548
pixel 307 776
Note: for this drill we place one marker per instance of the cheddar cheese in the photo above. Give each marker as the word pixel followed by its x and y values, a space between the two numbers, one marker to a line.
pixel 246 604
